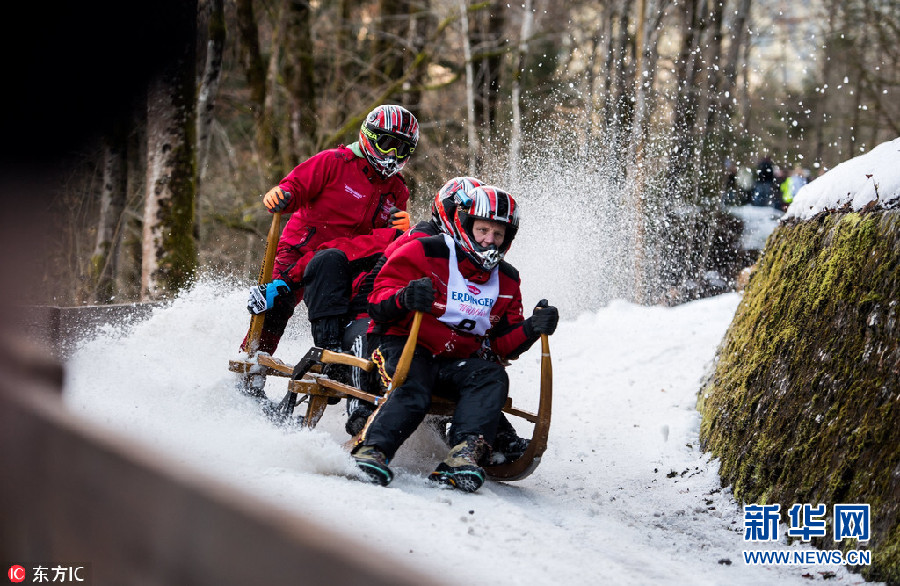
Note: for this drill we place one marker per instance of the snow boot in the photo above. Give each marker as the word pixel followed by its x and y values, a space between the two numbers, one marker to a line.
pixel 460 469
pixel 358 412
pixel 254 382
pixel 374 463
pixel 508 446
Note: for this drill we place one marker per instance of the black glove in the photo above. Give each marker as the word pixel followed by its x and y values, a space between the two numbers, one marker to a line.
pixel 543 320
pixel 418 295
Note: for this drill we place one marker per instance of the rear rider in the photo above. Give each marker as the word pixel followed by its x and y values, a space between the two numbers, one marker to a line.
pixel 346 204
pixel 469 296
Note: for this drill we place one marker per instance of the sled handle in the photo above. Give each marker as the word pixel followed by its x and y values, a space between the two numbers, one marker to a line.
pixel 265 276
pixel 527 462
pixel 408 350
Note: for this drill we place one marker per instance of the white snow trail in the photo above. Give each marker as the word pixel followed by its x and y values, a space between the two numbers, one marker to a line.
pixel 623 494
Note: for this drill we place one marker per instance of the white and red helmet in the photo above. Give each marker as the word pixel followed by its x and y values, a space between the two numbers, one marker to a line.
pixel 456 191
pixel 487 203
pixel 388 137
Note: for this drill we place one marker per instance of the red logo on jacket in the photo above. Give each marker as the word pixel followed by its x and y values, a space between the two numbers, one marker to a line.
pixel 474 290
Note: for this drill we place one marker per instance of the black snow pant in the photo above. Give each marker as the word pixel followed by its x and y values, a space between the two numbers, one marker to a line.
pixel 327 287
pixel 478 387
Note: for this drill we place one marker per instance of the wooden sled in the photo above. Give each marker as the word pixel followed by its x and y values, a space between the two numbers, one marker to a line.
pixel 307 384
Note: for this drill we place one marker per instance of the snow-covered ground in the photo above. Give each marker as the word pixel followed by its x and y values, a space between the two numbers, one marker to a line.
pixel 623 494
pixel 759 222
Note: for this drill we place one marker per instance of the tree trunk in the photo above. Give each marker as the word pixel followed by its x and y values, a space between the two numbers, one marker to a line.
pixel 609 67
pixel 169 247
pixel 622 112
pixel 421 24
pixel 515 139
pixel 299 74
pixel 209 84
pixel 104 262
pixel 686 102
pixel 471 132
pixel 711 176
pixel 344 72
pixel 728 96
pixel 390 42
pixel 487 36
pixel 255 71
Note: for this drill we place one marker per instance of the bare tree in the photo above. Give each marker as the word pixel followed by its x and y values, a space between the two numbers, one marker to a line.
pixel 390 54
pixel 104 261
pixel 474 146
pixel 686 104
pixel 299 74
pixel 728 96
pixel 488 38
pixel 422 23
pixel 515 140
pixel 209 81
pixel 255 71
pixel 169 250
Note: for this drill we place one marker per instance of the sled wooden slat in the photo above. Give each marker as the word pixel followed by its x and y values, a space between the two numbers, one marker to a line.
pixel 316 409
pixel 530 417
pixel 330 357
pixel 271 366
pixel 275 367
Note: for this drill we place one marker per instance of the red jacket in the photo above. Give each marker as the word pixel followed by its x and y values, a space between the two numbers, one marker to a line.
pixel 336 196
pixel 429 257
pixel 363 283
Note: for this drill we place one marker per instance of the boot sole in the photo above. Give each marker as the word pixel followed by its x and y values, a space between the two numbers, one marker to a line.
pixel 376 474
pixel 464 480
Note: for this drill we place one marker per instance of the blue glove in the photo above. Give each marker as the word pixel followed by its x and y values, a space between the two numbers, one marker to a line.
pixel 263 297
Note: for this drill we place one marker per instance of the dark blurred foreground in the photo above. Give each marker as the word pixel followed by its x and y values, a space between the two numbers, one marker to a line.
pixel 71 495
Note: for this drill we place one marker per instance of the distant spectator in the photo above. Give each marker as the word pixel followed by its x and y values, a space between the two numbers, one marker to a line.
pixel 764 190
pixel 780 178
pixel 745 181
pixel 791 186
pixel 731 194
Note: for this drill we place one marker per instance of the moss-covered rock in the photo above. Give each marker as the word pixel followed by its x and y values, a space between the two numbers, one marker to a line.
pixel 804 403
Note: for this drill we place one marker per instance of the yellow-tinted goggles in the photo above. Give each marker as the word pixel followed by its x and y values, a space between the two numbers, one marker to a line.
pixel 385 143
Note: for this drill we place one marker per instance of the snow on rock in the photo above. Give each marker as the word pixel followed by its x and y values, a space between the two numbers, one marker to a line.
pixel 856 182
pixel 624 495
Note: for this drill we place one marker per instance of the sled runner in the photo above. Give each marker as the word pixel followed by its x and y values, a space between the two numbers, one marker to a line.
pixel 308 384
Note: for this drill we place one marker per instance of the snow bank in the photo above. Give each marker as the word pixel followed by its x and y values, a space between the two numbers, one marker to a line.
pixel 856 182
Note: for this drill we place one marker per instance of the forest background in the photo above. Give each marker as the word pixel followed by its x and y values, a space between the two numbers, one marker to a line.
pixel 656 97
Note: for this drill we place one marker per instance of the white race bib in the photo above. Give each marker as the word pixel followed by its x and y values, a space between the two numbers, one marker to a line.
pixel 469 304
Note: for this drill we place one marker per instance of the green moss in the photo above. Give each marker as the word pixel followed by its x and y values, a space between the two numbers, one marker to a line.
pixel 804 404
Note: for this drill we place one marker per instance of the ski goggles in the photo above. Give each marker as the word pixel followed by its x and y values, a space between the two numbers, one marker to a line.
pixel 385 143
